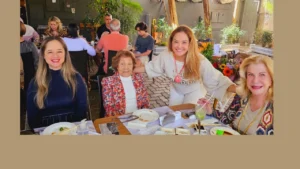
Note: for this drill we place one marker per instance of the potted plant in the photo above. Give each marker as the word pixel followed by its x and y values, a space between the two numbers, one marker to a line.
pixel 231 34
pixel 202 34
pixel 165 30
pixel 267 39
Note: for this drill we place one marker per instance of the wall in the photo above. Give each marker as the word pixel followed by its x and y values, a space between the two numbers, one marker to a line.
pixel 188 12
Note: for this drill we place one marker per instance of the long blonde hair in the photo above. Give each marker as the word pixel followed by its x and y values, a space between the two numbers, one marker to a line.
pixel 192 60
pixel 43 75
pixel 242 88
pixel 60 29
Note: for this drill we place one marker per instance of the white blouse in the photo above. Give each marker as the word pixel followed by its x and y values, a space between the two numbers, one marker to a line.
pixel 130 94
pixel 212 79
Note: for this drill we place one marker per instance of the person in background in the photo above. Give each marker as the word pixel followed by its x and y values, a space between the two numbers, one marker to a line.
pixel 191 74
pixel 124 92
pixel 104 27
pixel 251 111
pixel 57 93
pixel 30 34
pixel 144 44
pixel 28 46
pixel 108 42
pixel 76 43
pixel 55 27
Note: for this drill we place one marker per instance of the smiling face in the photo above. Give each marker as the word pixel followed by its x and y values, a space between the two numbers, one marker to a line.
pixel 180 44
pixel 258 79
pixel 54 55
pixel 125 66
pixel 53 26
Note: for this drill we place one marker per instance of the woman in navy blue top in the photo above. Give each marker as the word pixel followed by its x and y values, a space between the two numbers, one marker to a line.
pixel 57 93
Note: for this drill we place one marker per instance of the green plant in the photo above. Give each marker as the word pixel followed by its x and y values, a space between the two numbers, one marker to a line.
pixel 231 34
pixel 164 28
pixel 208 52
pixel 200 31
pixel 267 38
pixel 269 7
pixel 257 36
pixel 127 11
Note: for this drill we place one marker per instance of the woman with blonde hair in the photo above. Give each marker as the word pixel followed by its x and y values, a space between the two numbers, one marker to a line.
pixel 55 27
pixel 251 111
pixel 187 69
pixel 58 92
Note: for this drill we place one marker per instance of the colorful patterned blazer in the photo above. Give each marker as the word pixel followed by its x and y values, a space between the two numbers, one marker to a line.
pixel 265 126
pixel 113 94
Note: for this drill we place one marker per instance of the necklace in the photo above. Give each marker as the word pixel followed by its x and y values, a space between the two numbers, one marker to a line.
pixel 254 119
pixel 178 77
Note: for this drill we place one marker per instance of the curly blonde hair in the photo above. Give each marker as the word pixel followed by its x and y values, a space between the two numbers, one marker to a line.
pixel 61 31
pixel 193 56
pixel 242 88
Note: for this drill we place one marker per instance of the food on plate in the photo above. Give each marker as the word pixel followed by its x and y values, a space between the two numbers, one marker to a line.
pixel 168 130
pixel 61 131
pixel 226 133
pixel 182 131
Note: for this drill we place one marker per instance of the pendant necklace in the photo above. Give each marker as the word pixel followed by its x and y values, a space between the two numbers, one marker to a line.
pixel 178 78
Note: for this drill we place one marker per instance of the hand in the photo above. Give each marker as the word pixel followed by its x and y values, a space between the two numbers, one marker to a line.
pixel 207 106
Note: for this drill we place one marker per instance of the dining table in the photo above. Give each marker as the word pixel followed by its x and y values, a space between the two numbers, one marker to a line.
pixel 185 111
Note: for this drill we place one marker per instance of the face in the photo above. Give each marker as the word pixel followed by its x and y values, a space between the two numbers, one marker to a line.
pixel 258 79
pixel 140 32
pixel 125 66
pixel 107 20
pixel 53 25
pixel 54 55
pixel 180 44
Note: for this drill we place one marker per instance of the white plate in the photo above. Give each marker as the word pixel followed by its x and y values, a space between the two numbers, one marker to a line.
pixel 55 128
pixel 146 115
pixel 213 131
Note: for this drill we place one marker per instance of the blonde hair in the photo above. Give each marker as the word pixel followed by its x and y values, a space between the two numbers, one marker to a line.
pixel 43 75
pixel 60 29
pixel 122 53
pixel 242 88
pixel 192 60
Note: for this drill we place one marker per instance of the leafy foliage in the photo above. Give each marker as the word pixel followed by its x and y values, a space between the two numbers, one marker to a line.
pixel 231 34
pixel 200 31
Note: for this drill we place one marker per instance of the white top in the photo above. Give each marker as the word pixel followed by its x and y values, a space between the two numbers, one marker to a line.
pixel 130 94
pixel 212 79
pixel 79 44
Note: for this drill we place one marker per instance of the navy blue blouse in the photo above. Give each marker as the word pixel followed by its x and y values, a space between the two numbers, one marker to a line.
pixel 59 103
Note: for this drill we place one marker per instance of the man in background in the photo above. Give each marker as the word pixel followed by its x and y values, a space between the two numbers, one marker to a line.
pixel 104 27
pixel 113 41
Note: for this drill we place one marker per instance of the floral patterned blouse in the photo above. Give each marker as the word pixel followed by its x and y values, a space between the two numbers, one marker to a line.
pixel 113 94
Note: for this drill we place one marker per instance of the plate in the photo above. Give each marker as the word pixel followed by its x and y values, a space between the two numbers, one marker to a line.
pixel 54 128
pixel 146 115
pixel 213 131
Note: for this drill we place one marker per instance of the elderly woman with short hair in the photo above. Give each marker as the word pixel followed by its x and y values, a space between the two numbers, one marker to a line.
pixel 124 92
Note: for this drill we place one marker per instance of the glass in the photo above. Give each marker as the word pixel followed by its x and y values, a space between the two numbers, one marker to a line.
pixel 200 113
pixel 104 129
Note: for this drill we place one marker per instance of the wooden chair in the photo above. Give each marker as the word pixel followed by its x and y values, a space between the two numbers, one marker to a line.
pixel 28 66
pixel 102 110
pixel 111 54
pixel 80 63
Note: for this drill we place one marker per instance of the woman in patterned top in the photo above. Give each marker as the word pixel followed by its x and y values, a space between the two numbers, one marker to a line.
pixel 251 111
pixel 124 92
pixel 55 27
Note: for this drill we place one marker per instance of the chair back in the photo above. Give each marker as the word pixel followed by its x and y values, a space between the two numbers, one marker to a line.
pixel 111 54
pixel 102 110
pixel 80 62
pixel 28 67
